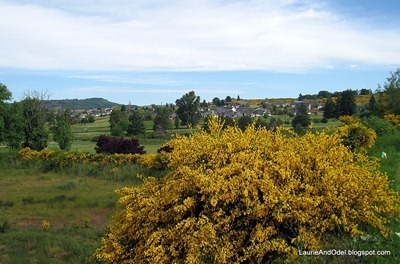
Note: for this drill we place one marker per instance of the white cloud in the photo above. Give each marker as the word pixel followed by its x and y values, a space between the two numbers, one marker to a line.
pixel 189 36
pixel 102 89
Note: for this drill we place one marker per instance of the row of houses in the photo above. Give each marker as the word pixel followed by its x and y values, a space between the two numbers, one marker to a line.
pixel 236 111
pixel 93 112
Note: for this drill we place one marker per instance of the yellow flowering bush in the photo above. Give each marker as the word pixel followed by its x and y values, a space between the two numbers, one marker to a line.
pixel 355 135
pixel 255 196
pixel 70 159
pixel 393 119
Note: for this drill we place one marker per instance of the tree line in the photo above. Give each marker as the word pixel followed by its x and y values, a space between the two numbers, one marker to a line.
pixel 28 123
pixel 386 100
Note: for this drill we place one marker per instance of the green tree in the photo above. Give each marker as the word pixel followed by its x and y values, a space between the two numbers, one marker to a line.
pixel 188 109
pixel 324 94
pixel 5 95
pixel 216 101
pixel 346 104
pixel 302 120
pixel 35 113
pixel 119 122
pixel 365 91
pixel 244 122
pixel 391 90
pixel 177 122
pixel 329 108
pixel 61 128
pixel 161 121
pixel 136 123
pixel 373 106
pixel 14 125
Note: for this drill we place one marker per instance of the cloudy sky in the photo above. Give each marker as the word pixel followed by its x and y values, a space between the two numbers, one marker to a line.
pixel 147 51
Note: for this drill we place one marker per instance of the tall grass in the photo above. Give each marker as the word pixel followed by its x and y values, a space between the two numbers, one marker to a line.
pixel 77 202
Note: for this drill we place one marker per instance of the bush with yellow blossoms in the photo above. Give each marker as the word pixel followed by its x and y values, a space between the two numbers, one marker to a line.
pixel 256 196
pixel 355 135
pixel 393 119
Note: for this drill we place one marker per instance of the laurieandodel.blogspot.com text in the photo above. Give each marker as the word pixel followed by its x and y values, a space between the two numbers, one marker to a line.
pixel 344 252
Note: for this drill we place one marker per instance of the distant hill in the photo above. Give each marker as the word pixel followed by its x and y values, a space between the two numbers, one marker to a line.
pixel 90 103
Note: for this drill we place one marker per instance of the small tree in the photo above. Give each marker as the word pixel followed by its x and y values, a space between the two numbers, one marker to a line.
pixel 136 123
pixel 61 129
pixel 301 121
pixel 119 122
pixel 188 109
pixel 391 93
pixel 14 125
pixel 5 95
pixel 161 121
pixel 244 122
pixel 177 122
pixel 346 104
pixel 329 108
pixel 35 114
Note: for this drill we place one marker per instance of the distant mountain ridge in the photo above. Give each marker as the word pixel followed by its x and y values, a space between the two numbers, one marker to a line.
pixel 89 103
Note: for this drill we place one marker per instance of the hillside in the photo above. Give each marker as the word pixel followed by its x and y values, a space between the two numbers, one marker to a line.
pixel 89 103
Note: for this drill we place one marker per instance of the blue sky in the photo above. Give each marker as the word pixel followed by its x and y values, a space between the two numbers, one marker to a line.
pixel 147 51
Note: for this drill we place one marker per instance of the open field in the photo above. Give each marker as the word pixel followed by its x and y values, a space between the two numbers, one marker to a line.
pixel 77 209
pixel 84 133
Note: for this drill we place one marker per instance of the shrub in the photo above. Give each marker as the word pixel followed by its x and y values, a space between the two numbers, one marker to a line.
pixel 379 125
pixel 393 119
pixel 253 196
pixel 106 144
pixel 355 135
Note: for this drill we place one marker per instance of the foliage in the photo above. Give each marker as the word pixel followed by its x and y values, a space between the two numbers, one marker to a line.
pixel 301 121
pixel 329 108
pixel 61 129
pixel 5 94
pixel 253 196
pixel 188 109
pixel 13 124
pixel 379 125
pixel 161 120
pixel 136 124
pixel 107 144
pixel 355 135
pixel 89 118
pixel 346 103
pixel 119 122
pixel 372 106
pixel 226 121
pixel 35 114
pixel 392 93
pixel 244 122
pixel 393 119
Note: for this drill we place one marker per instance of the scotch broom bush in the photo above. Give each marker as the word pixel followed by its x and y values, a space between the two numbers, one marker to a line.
pixel 255 196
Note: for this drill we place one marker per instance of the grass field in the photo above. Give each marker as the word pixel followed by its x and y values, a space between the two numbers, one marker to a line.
pixel 77 208
pixel 84 133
